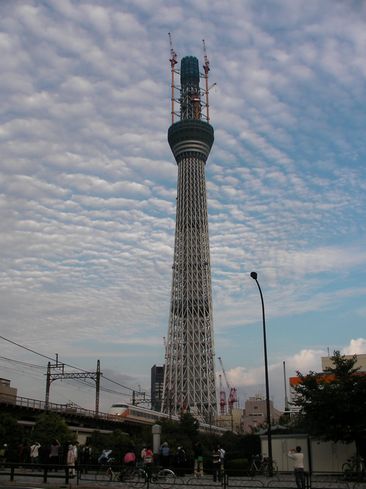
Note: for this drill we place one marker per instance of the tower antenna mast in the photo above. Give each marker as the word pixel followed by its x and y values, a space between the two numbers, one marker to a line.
pixel 173 62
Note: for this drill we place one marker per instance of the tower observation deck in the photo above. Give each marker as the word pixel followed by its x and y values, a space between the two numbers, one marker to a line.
pixel 189 380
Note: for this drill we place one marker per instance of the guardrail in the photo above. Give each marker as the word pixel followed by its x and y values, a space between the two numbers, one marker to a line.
pixel 96 475
pixel 58 408
pixel 39 471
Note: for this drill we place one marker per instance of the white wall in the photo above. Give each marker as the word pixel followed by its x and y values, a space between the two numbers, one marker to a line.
pixel 325 456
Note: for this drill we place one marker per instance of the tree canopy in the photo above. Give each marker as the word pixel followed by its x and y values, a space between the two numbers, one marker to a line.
pixel 50 426
pixel 332 404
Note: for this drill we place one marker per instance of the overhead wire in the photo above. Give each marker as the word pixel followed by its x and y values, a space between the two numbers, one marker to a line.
pixel 71 366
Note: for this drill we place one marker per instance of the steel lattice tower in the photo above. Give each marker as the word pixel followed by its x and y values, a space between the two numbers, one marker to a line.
pixel 189 380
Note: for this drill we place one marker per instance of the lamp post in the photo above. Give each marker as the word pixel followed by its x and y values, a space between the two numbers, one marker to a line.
pixel 269 431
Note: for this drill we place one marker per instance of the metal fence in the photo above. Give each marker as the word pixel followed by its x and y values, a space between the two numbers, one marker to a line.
pixel 97 476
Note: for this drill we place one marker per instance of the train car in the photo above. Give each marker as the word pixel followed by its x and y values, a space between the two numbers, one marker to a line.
pixel 142 415
pixel 138 414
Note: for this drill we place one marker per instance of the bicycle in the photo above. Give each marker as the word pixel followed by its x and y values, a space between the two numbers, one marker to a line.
pixel 164 477
pixel 132 475
pixel 262 466
pixel 354 468
pixel 139 476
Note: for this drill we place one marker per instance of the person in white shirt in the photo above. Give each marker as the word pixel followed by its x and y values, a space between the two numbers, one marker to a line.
pixel 34 452
pixel 298 459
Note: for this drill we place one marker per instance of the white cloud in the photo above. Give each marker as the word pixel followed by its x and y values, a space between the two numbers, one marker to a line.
pixel 356 347
pixel 88 182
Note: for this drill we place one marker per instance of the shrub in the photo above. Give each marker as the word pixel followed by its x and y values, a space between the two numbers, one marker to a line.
pixel 237 467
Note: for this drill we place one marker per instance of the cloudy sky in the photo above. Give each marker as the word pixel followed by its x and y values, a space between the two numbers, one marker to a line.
pixel 88 186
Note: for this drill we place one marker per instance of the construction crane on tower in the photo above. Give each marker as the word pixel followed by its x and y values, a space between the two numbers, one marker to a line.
pixel 233 397
pixel 222 397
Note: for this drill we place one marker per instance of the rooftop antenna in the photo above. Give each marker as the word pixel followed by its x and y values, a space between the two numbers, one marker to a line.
pixel 173 62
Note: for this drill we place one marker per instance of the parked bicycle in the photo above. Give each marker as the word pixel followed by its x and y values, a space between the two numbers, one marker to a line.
pixel 261 466
pixel 138 476
pixel 354 468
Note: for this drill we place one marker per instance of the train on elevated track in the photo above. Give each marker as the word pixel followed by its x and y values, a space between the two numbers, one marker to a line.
pixel 142 415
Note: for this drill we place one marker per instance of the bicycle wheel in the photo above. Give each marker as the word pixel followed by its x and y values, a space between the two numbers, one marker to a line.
pixel 252 471
pixel 266 469
pixel 137 478
pixel 347 470
pixel 165 478
pixel 103 476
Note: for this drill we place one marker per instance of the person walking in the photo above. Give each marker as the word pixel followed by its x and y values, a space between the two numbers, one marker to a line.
pixel 297 457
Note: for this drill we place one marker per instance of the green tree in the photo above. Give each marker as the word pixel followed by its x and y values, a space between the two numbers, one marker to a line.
pixel 189 425
pixel 332 405
pixel 12 434
pixel 50 426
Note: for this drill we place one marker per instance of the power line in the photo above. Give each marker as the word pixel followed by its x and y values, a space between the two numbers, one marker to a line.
pixel 23 363
pixel 67 365
pixel 25 348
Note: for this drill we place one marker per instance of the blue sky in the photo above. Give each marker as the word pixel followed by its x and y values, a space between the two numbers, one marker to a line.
pixel 88 185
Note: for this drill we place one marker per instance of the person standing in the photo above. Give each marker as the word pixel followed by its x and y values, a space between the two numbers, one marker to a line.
pixel 165 455
pixel 71 460
pixel 3 453
pixel 216 464
pixel 297 457
pixel 222 453
pixel 76 454
pixel 180 461
pixel 148 459
pixel 198 460
pixel 34 452
pixel 54 458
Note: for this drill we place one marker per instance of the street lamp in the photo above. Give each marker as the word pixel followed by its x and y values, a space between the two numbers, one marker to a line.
pixel 269 431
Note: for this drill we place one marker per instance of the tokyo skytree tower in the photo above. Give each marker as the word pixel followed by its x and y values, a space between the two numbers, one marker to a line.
pixel 189 380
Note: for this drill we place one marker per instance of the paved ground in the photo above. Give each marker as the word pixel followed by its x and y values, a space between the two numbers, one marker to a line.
pixel 23 480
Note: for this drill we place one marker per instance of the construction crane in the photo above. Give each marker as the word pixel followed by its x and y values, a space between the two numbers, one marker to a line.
pixel 222 397
pixel 233 397
pixel 173 62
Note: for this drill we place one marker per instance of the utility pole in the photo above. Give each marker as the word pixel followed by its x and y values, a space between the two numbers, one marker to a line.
pixel 61 374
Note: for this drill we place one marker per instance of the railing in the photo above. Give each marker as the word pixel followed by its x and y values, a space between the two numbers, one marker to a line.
pixel 60 408
pixel 96 475
pixel 13 471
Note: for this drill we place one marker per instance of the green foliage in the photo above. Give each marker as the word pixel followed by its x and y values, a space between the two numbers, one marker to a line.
pixel 10 433
pixel 50 426
pixel 237 467
pixel 189 425
pixel 184 433
pixel 240 446
pixel 332 406
pixel 120 442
